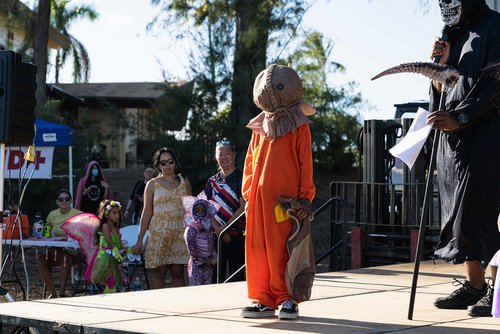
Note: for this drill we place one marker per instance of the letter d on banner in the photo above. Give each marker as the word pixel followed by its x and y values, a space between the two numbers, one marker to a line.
pixel 15 163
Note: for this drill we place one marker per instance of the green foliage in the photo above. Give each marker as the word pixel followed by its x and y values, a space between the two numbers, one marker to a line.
pixel 216 29
pixel 61 18
pixel 171 110
pixel 19 16
pixel 221 29
pixel 209 26
pixel 336 123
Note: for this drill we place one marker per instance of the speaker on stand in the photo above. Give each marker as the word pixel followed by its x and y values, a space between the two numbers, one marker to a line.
pixel 17 116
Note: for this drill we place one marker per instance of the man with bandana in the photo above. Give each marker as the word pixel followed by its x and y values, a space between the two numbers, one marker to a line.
pixel 468 159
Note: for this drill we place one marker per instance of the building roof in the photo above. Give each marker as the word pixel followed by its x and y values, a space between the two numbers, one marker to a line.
pixel 121 94
pixel 56 39
pixel 151 90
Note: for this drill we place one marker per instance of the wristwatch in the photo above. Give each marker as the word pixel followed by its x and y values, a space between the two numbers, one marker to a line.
pixel 462 118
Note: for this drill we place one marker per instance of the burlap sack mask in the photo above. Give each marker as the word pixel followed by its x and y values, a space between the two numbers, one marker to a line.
pixel 277 91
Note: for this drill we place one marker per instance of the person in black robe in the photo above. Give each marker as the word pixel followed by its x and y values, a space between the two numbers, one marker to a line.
pixel 468 155
pixel 136 198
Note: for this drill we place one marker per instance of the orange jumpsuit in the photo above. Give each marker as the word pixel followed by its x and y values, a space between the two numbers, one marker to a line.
pixel 273 168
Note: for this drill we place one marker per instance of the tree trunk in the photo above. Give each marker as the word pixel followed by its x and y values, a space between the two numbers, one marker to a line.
pixel 252 32
pixel 57 66
pixel 40 53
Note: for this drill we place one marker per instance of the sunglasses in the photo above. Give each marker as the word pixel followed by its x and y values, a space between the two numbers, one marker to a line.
pixel 223 142
pixel 64 199
pixel 167 162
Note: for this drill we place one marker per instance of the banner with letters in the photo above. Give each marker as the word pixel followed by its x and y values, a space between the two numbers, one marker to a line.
pixel 15 165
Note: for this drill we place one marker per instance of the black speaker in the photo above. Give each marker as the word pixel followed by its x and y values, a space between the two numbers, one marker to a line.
pixel 17 99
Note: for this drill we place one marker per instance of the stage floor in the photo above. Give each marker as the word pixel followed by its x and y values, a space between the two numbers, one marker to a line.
pixel 369 300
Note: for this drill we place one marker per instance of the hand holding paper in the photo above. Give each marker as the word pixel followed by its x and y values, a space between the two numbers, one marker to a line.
pixel 409 147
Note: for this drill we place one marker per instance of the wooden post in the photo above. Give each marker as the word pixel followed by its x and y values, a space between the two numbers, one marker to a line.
pixel 356 247
pixel 413 244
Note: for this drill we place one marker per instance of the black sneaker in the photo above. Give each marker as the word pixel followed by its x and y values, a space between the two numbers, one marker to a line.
pixel 289 310
pixel 257 311
pixel 461 298
pixel 483 307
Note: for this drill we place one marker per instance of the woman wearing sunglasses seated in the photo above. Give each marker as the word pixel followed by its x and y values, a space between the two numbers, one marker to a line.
pixel 46 261
pixel 163 217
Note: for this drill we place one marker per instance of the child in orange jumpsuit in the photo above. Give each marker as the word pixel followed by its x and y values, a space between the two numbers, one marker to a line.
pixel 278 163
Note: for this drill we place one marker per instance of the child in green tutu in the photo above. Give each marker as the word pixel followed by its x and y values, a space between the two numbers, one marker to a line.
pixel 105 269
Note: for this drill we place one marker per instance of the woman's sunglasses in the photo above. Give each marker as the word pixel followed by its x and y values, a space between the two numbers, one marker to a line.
pixel 64 199
pixel 224 142
pixel 167 162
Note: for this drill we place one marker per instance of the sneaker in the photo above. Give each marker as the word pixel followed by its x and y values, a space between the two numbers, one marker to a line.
pixel 257 311
pixel 461 298
pixel 483 307
pixel 289 310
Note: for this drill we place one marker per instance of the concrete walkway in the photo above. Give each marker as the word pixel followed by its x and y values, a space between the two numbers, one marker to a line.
pixel 369 300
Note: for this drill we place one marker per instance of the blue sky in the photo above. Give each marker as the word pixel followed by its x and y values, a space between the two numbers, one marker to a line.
pixel 369 36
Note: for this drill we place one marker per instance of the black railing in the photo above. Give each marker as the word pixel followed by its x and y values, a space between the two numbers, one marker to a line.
pixel 387 212
pixel 332 248
pixel 335 241
pixel 219 247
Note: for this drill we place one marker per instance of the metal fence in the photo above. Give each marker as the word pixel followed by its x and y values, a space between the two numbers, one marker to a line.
pixel 387 213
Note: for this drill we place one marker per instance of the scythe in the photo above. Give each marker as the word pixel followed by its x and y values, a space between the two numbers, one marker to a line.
pixel 448 77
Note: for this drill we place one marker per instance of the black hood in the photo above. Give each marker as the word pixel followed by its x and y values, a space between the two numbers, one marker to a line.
pixel 474 11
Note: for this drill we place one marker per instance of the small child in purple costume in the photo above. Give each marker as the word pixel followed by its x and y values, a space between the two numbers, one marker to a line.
pixel 199 239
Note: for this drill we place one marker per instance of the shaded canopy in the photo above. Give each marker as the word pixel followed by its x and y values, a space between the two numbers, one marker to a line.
pixel 52 134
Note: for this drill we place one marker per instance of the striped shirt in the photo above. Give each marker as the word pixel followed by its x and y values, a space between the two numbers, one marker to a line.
pixel 226 191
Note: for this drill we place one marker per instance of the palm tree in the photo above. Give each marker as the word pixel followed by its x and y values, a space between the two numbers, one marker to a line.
pixel 62 18
pixel 40 49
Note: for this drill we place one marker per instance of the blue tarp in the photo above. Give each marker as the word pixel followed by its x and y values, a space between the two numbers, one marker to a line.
pixel 52 134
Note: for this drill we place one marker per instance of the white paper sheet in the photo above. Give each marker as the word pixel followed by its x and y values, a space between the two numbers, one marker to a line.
pixel 409 147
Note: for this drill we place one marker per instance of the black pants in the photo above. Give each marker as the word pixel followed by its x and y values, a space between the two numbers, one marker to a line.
pixel 232 256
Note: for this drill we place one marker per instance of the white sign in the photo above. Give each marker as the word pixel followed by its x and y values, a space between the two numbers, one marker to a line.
pixel 49 137
pixel 15 165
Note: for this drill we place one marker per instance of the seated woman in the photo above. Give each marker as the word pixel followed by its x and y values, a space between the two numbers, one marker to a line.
pixel 47 261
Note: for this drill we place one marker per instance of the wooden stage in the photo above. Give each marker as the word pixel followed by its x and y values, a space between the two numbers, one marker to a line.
pixel 369 300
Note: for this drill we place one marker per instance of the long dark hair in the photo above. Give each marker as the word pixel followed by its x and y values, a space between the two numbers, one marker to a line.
pixel 156 159
pixel 103 213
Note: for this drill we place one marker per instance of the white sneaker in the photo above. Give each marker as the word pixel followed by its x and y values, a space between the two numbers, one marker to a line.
pixel 289 310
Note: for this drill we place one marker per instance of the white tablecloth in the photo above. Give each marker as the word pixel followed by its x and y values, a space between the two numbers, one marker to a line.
pixel 42 242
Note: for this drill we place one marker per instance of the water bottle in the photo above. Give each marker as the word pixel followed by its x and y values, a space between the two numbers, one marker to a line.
pixel 47 230
pixel 38 226
pixel 137 284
